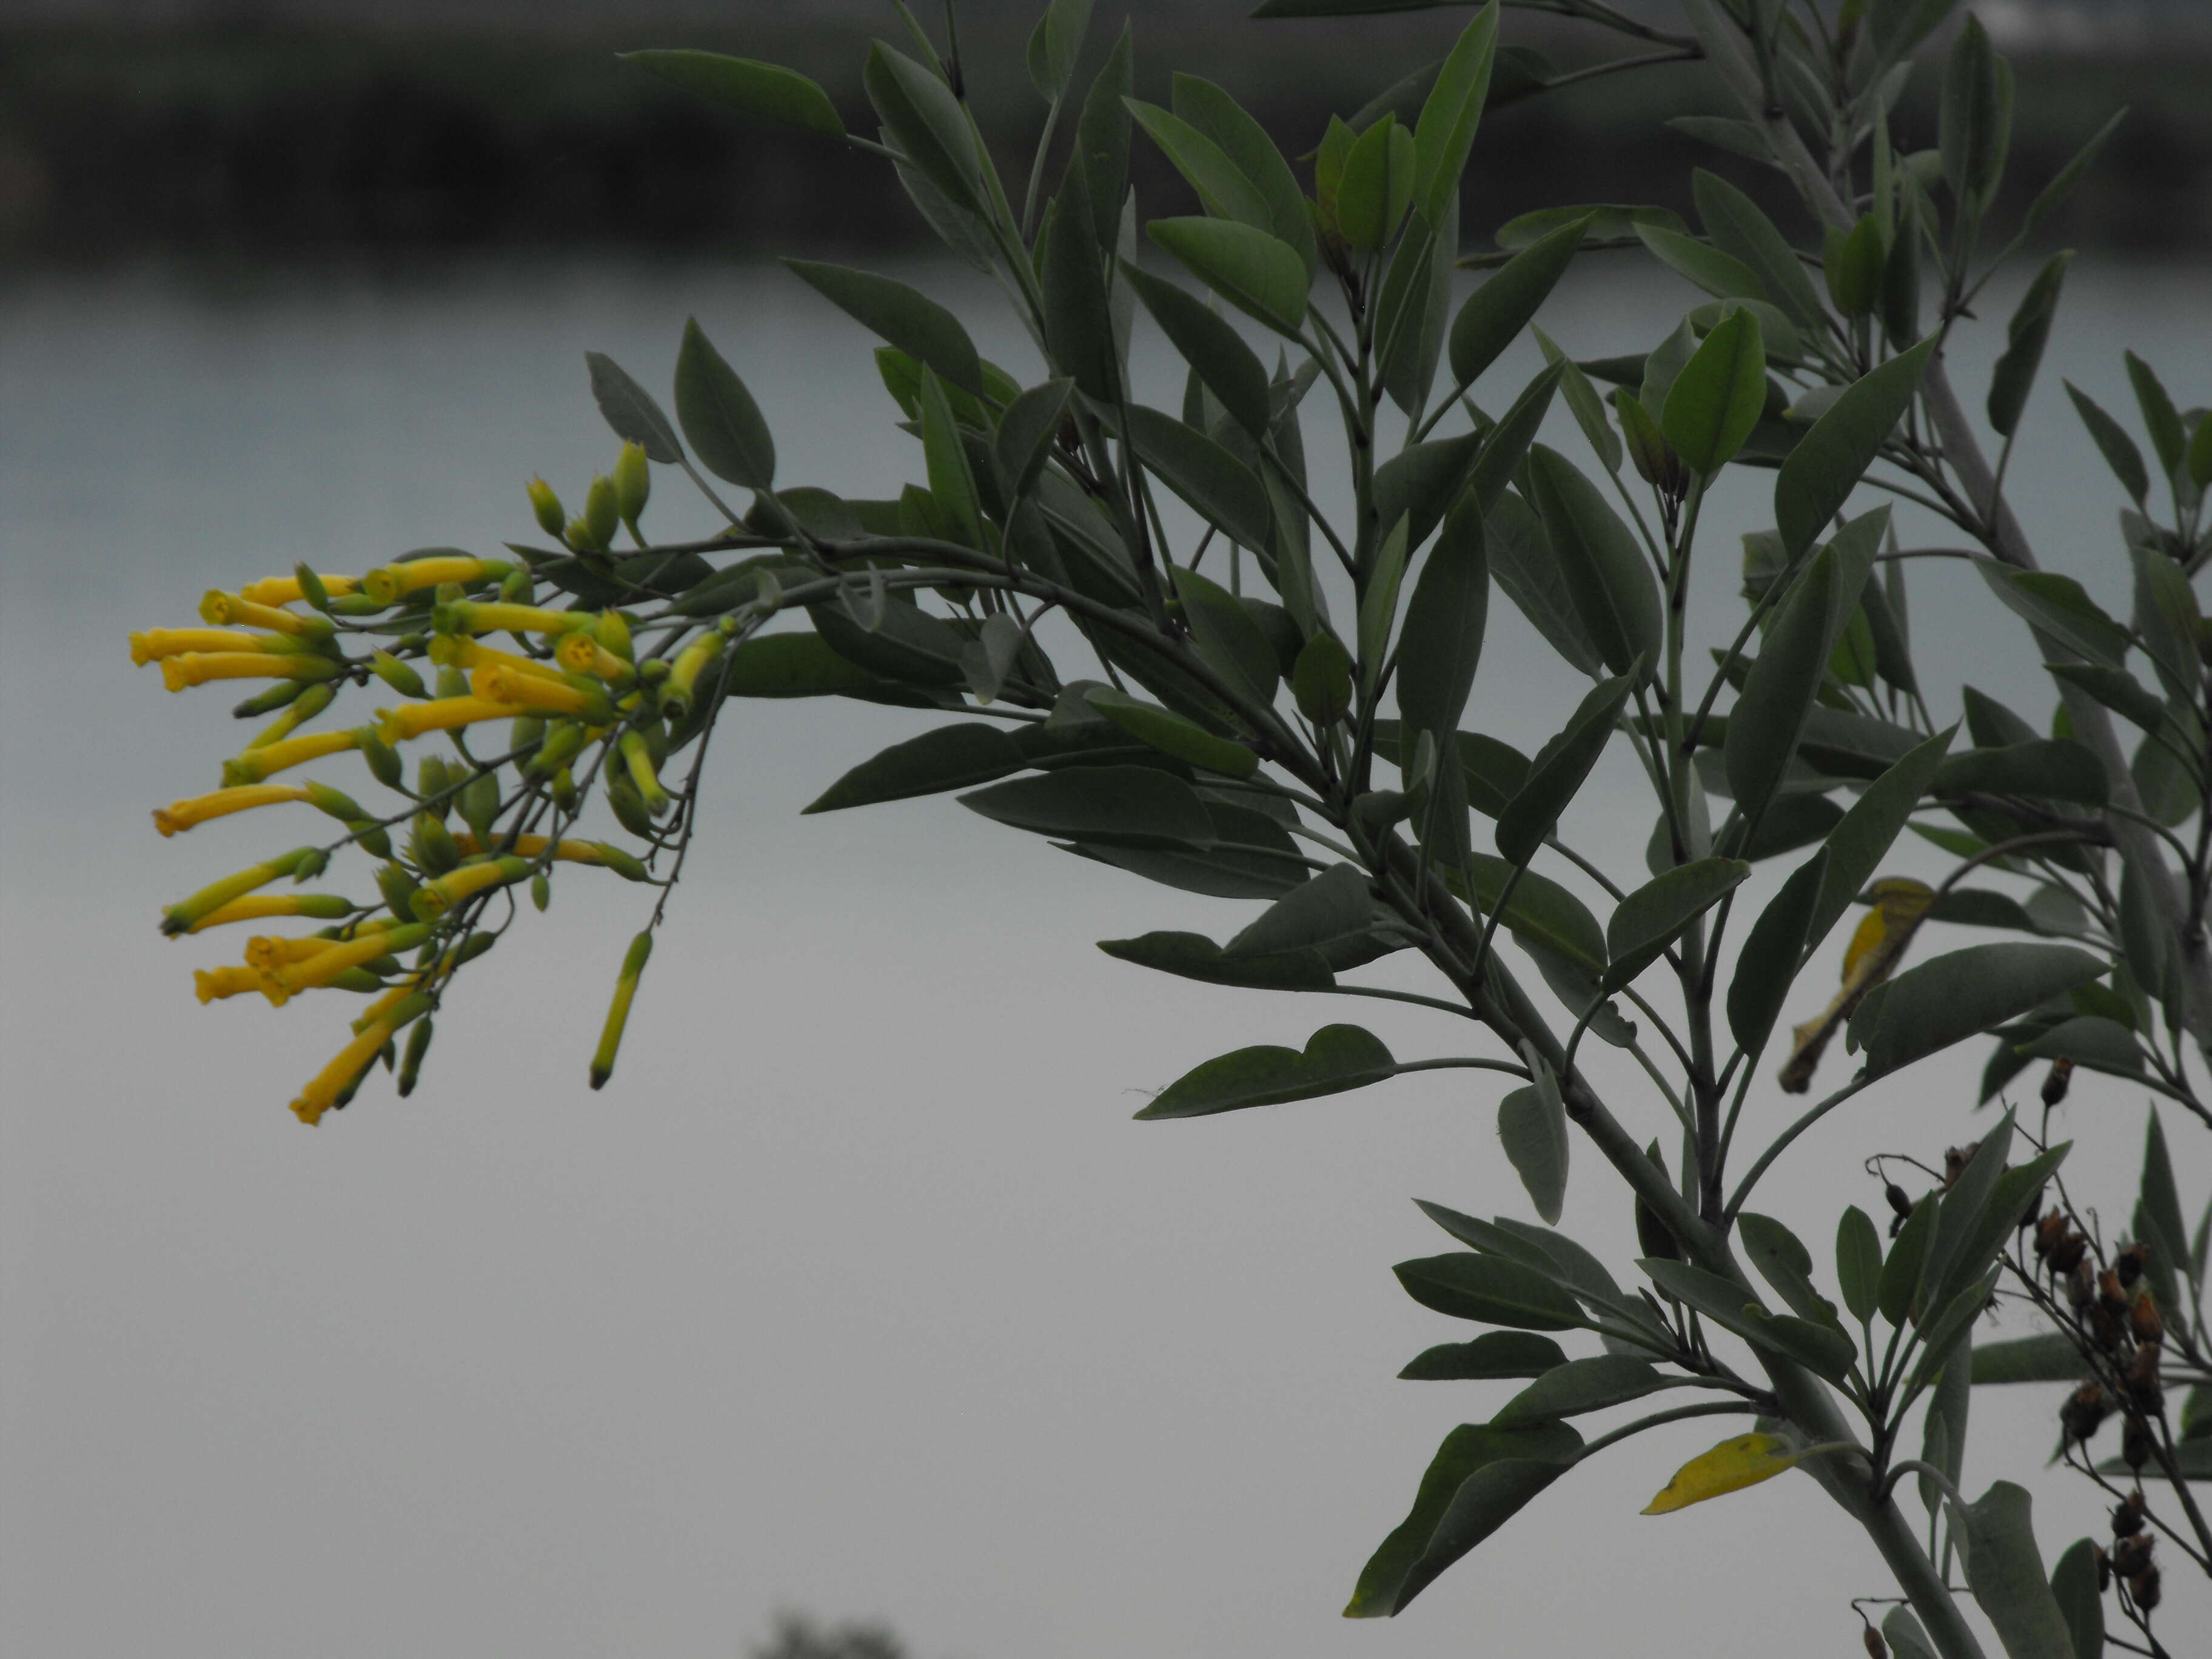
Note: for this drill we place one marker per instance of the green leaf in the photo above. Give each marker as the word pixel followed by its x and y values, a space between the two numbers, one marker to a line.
pixel 1446 132
pixel 1493 1355
pixel 1479 1478
pixel 1117 805
pixel 2160 1199
pixel 720 416
pixel 2030 329
pixel 1422 481
pixel 1026 432
pixel 905 644
pixel 1491 1290
pixel 1972 118
pixel 1532 1123
pixel 1521 563
pixel 1193 955
pixel 1739 228
pixel 1413 311
pixel 1853 265
pixel 1337 1058
pixel 1560 768
pixel 2059 606
pixel 2050 1357
pixel 1580 1386
pixel 1209 345
pixel 900 313
pixel 1821 1349
pixel 951 482
pixel 1607 575
pixel 1953 996
pixel 2168 438
pixel 1078 322
pixel 1321 680
pixel 1719 274
pixel 2115 687
pixel 927 124
pixel 2113 441
pixel 1906 1639
pixel 1902 1274
pixel 1227 635
pixel 2053 195
pixel 1218 486
pixel 766 92
pixel 2047 769
pixel 2074 1585
pixel 1784 1262
pixel 949 757
pixel 1377 187
pixel 1440 642
pixel 629 408
pixel 1829 460
pixel 1718 397
pixel 1650 919
pixel 1056 44
pixel 1858 845
pixel 799 665
pixel 1334 905
pixel 1245 142
pixel 2004 1569
pixel 1223 189
pixel 1727 1304
pixel 1858 1262
pixel 1171 734
pixel 1100 158
pixel 1540 912
pixel 1255 272
pixel 1766 968
pixel 1581 401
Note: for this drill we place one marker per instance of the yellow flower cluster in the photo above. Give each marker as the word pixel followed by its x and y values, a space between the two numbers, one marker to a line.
pixel 573 684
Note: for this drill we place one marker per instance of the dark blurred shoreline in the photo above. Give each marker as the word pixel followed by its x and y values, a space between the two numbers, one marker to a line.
pixel 266 145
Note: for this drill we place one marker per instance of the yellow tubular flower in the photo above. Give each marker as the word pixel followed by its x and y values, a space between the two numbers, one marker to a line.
pixel 192 668
pixel 610 1035
pixel 213 984
pixel 433 898
pixel 579 653
pixel 152 644
pixel 266 952
pixel 459 650
pixel 256 765
pixel 324 965
pixel 296 714
pixel 443 715
pixel 255 907
pixel 221 610
pixel 491 616
pixel 184 814
pixel 526 692
pixel 391 583
pixel 285 590
pixel 531 847
pixel 382 1007
pixel 324 1089
pixel 684 673
pixel 179 917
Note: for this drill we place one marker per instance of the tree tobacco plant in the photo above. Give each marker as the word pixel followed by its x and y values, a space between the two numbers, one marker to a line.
pixel 1277 709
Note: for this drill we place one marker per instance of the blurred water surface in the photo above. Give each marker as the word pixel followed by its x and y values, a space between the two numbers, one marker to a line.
pixel 856 1290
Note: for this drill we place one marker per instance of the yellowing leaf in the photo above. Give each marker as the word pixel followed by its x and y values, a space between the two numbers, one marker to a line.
pixel 1730 1466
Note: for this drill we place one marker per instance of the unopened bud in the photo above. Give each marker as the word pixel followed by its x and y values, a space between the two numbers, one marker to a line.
pixel 610 1036
pixel 411 1061
pixel 628 805
pixel 430 844
pixel 479 806
pixel 541 891
pixel 1876 1647
pixel 546 507
pixel 397 886
pixel 601 517
pixel 633 482
pixel 312 589
pixel 2056 1080
pixel 636 749
pixel 398 675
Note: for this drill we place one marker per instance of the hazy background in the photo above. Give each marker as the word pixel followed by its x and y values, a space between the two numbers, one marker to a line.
pixel 856 1291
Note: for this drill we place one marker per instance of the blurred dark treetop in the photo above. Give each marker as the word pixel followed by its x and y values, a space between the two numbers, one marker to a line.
pixel 316 128
pixel 799 1638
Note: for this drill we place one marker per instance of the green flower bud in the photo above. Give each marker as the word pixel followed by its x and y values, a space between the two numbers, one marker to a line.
pixel 355 604
pixel 541 891
pixel 362 979
pixel 620 862
pixel 602 517
pixel 179 917
pixel 469 950
pixel 566 796
pixel 418 1044
pixel 431 781
pixel 546 507
pixel 479 806
pixel 397 886
pixel 636 749
pixel 311 587
pixel 383 760
pixel 611 1035
pixel 277 696
pixel 337 803
pixel 633 482
pixel 564 740
pixel 398 675
pixel 430 845
pixel 453 683
pixel 578 535
pixel 1321 680
pixel 371 838
pixel 311 863
pixel 516 587
pixel 628 805
pixel 612 630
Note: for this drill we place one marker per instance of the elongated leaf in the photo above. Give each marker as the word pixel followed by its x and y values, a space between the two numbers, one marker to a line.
pixel 766 92
pixel 1650 919
pixel 2074 1585
pixel 1336 1058
pixel 926 122
pixel 1769 718
pixel 1738 228
pixel 1440 642
pixel 1971 140
pixel 1222 187
pixel 2113 441
pixel 802 665
pixel 1820 1348
pixel 2160 1200
pixel 2059 606
pixel 1119 805
pixel 1491 1290
pixel 1858 845
pixel 900 313
pixel 1580 1386
pixel 2051 770
pixel 1767 966
pixel 1056 44
pixel 2050 1356
pixel 1829 460
pixel 1446 132
pixel 629 408
pixel 906 643
pixel 1480 1477
pixel 2013 377
pixel 2053 195
pixel 1730 1466
pixel 1906 1639
pixel 1245 142
pixel 1193 955
pixel 1257 273
pixel 952 480
pixel 1026 432
pixel 1521 563
pixel 1784 1262
pixel 1493 316
pixel 1172 735
pixel 1078 319
pixel 1494 1354
pixel 1720 274
pixel 1100 159
pixel 1212 348
pixel 1335 904
pixel 1581 401
pixel 1858 1262
pixel 1506 444
pixel 1607 575
pixel 1718 397
pixel 949 757
pixel 720 416
pixel 2117 689
pixel 1218 486
pixel 1422 481
pixel 1532 1124
pixel 1727 1304
pixel 1903 1273
pixel 1942 1001
pixel 1540 912
pixel 2004 1569
pixel 1560 768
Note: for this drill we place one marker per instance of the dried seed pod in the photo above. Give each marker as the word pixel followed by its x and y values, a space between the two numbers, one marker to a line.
pixel 2071 1251
pixel 2081 1287
pixel 1955 1160
pixel 2049 1232
pixel 2143 1322
pixel 2134 1443
pixel 2129 1263
pixel 2105 1329
pixel 2056 1080
pixel 2143 1377
pixel 2109 1296
pixel 1876 1647
pixel 2084 1411
pixel 2131 1555
pixel 2128 1515
pixel 2145 1589
pixel 1898 1202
